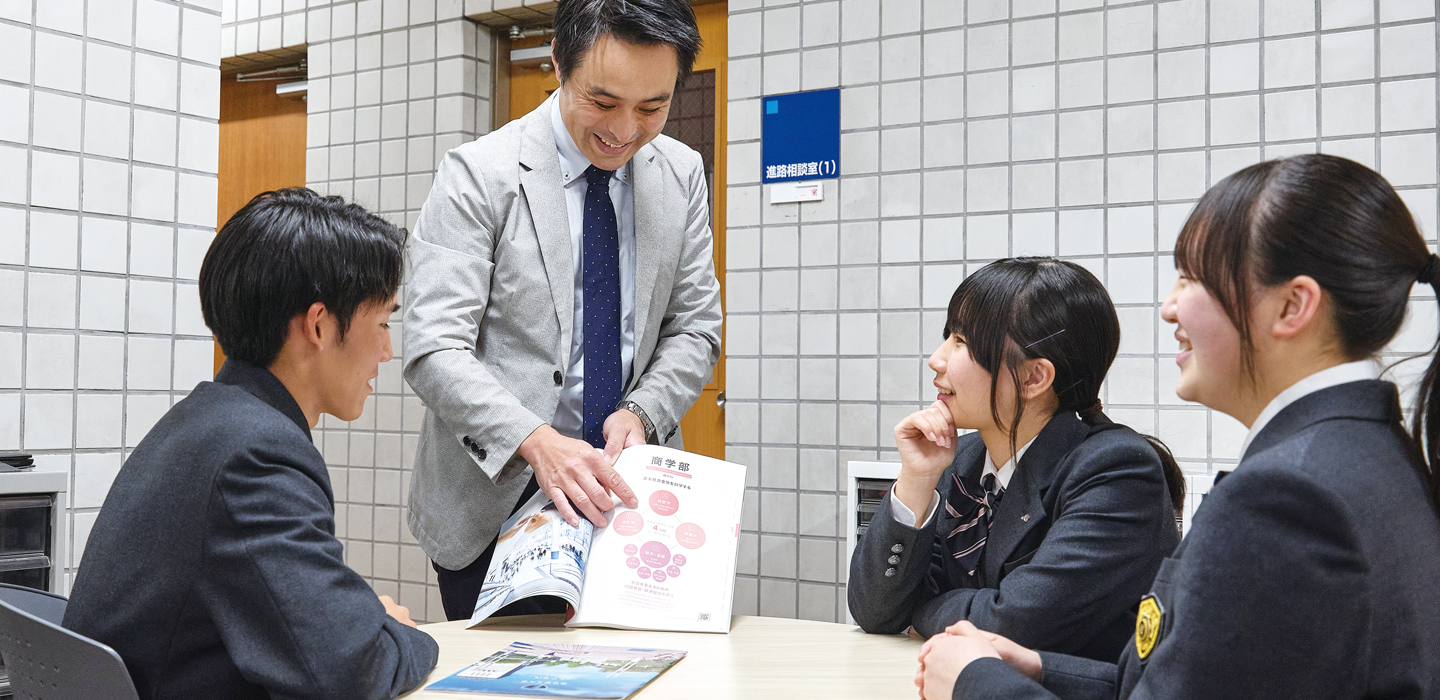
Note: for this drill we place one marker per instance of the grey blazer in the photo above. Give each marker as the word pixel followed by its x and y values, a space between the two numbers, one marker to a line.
pixel 1076 541
pixel 489 305
pixel 1310 573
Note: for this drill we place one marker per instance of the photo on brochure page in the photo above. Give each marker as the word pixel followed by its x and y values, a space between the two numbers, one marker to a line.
pixel 562 670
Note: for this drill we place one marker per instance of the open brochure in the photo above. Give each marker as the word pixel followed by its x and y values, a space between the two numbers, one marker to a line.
pixel 668 565
pixel 565 670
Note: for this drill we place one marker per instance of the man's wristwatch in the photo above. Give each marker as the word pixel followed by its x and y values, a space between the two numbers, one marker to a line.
pixel 633 407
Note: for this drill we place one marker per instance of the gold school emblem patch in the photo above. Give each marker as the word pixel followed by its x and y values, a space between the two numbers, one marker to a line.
pixel 1147 625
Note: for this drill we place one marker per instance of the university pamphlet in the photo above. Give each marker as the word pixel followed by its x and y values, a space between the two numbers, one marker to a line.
pixel 566 670
pixel 667 565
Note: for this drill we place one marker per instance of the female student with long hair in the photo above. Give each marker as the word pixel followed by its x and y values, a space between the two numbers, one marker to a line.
pixel 1311 571
pixel 1050 520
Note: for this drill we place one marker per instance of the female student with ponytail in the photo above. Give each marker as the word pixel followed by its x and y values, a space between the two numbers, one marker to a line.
pixel 1311 571
pixel 1047 523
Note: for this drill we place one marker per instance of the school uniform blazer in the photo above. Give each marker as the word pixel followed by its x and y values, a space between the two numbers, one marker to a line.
pixel 1310 572
pixel 1075 542
pixel 213 568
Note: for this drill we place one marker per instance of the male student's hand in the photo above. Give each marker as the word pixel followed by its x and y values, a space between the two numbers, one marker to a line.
pixel 571 471
pixel 396 610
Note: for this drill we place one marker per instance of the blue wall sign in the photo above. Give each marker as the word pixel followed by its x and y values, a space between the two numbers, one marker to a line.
pixel 800 136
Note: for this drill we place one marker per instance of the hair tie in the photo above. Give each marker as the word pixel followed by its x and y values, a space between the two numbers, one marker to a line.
pixel 1087 413
pixel 1429 272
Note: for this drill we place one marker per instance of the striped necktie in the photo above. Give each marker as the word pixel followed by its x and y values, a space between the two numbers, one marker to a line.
pixel 973 507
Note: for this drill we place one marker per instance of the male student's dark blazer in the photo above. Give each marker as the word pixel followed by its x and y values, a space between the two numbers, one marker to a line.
pixel 1311 572
pixel 213 568
pixel 1075 542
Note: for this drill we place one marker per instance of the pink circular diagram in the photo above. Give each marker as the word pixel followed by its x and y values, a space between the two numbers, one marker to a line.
pixel 678 560
pixel 659 575
pixel 672 569
pixel 628 523
pixel 690 535
pixel 642 572
pixel 632 562
pixel 664 503
pixel 654 554
pixel 631 549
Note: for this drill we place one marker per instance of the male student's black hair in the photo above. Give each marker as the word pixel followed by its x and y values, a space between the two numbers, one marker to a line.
pixel 286 250
pixel 1020 309
pixel 579 23
pixel 1337 222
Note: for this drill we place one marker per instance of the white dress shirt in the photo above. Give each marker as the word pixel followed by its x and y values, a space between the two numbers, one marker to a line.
pixel 569 417
pixel 1324 379
pixel 903 515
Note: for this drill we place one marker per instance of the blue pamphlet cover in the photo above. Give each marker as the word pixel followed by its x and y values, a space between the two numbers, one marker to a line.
pixel 562 670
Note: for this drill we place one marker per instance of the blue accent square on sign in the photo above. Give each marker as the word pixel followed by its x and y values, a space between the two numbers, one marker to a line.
pixel 800 136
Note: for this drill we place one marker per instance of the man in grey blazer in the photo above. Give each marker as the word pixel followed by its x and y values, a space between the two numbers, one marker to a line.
pixel 562 296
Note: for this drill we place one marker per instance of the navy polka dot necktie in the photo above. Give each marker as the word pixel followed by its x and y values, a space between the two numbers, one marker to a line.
pixel 600 263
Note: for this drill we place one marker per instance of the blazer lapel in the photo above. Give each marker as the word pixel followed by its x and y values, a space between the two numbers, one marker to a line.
pixel 650 227
pixel 1369 399
pixel 540 180
pixel 1023 508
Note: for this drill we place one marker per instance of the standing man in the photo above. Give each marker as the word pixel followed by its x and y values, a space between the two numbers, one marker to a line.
pixel 562 297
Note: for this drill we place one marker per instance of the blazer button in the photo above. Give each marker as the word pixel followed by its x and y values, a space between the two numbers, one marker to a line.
pixel 894 559
pixel 466 441
pixel 480 452
pixel 898 548
pixel 670 434
pixel 559 378
pixel 890 572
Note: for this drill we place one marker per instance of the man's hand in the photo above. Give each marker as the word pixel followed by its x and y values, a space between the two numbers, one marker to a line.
pixel 570 471
pixel 397 611
pixel 621 430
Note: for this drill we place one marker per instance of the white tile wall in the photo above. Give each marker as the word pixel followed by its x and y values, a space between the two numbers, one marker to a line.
pixel 393 85
pixel 978 129
pixel 92 358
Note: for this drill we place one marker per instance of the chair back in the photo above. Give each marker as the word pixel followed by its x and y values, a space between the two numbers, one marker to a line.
pixel 48 661
pixel 44 605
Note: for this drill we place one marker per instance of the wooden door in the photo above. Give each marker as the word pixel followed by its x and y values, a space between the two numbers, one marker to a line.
pixel 262 147
pixel 697 118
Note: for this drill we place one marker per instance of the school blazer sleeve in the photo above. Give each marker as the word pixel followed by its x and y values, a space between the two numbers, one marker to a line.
pixel 883 604
pixel 1097 555
pixel 293 617
pixel 1063 677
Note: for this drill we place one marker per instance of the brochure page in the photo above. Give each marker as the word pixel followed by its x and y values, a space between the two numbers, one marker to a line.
pixel 669 564
pixel 562 670
pixel 537 553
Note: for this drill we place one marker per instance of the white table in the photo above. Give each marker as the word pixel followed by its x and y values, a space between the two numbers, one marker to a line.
pixel 762 657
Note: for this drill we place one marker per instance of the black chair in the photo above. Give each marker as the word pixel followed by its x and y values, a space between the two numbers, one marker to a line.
pixel 44 605
pixel 48 661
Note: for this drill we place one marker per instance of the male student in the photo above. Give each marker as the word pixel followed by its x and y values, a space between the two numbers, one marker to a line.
pixel 213 569
pixel 562 295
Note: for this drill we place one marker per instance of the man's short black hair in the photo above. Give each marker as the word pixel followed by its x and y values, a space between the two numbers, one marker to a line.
pixel 286 250
pixel 579 23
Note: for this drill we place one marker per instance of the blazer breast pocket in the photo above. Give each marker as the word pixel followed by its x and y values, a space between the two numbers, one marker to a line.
pixel 1017 562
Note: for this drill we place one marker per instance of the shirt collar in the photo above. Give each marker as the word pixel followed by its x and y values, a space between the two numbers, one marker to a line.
pixel 1003 474
pixel 573 163
pixel 1324 379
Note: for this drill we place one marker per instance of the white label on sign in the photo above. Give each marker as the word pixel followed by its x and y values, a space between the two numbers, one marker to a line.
pixel 787 192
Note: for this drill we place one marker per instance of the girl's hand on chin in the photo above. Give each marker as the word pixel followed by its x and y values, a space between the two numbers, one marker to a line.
pixel 926 439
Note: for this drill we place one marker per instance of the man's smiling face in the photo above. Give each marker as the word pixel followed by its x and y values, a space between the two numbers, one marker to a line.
pixel 617 98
